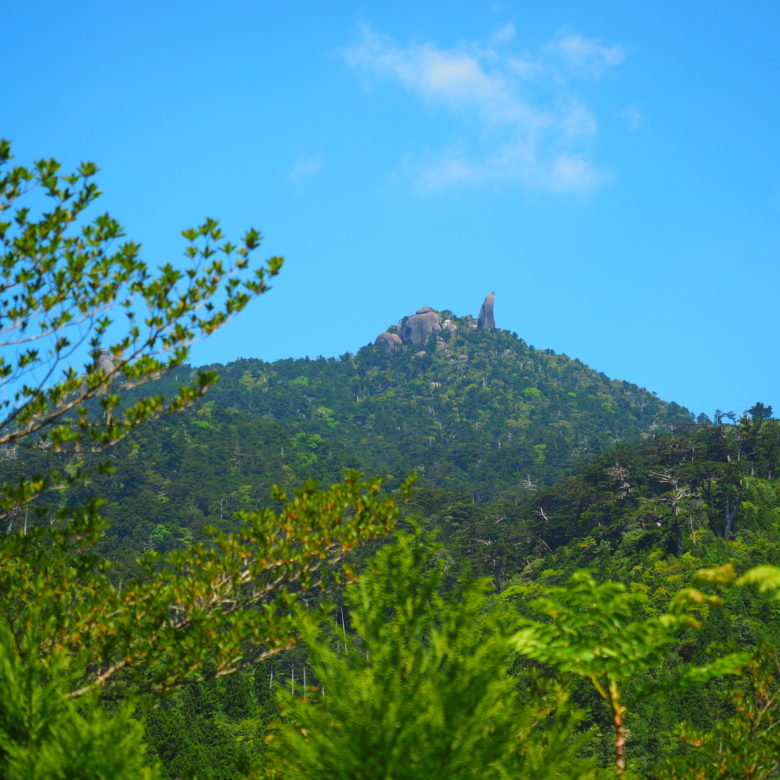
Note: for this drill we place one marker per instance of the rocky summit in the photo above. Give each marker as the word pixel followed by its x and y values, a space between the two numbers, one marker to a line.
pixel 417 328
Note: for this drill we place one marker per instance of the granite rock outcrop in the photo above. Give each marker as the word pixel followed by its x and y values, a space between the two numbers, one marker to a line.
pixel 486 321
pixel 390 341
pixel 417 328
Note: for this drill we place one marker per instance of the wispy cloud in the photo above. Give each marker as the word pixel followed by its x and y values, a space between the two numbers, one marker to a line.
pixel 577 120
pixel 530 121
pixel 564 174
pixel 585 56
pixel 503 34
pixel 632 116
pixel 304 167
pixel 574 174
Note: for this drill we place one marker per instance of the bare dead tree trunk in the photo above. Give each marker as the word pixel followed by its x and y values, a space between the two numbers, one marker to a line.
pixel 730 513
pixel 11 515
pixel 343 628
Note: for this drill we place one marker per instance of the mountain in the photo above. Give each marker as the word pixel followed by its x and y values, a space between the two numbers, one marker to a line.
pixel 476 407
pixel 531 466
pixel 475 410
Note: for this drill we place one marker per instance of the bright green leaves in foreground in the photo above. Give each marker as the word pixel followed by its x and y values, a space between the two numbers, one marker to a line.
pixel 421 689
pixel 745 745
pixel 84 322
pixel 83 317
pixel 43 734
pixel 766 577
pixel 69 631
pixel 598 631
pixel 426 682
pixel 217 604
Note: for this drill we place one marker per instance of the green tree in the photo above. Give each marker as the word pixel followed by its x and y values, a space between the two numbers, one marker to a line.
pixel 745 745
pixel 44 734
pixel 598 631
pixel 71 295
pixel 420 687
pixel 84 324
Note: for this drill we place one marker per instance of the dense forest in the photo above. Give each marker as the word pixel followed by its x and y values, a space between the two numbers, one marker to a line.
pixel 447 555
pixel 484 416
pixel 591 474
pixel 521 488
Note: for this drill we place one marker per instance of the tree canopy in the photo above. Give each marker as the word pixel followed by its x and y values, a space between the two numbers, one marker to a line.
pixel 86 322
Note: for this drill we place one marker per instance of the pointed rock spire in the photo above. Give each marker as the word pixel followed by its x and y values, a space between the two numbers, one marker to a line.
pixel 485 319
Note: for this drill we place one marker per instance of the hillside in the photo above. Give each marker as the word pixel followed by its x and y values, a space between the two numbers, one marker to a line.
pixel 479 413
pixel 531 466
pixel 481 407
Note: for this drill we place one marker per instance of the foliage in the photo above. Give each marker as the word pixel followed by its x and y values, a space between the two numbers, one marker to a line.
pixel 70 630
pixel 746 744
pixel 69 294
pixel 196 612
pixel 44 734
pixel 480 484
pixel 596 631
pixel 418 660
pixel 459 419
pixel 766 577
pixel 213 730
pixel 420 688
pixel 459 415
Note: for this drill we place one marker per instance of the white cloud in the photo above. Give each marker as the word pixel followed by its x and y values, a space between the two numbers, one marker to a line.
pixel 633 117
pixel 586 56
pixel 573 174
pixel 503 34
pixel 454 78
pixel 446 170
pixel 303 167
pixel 563 175
pixel 577 120
pixel 530 124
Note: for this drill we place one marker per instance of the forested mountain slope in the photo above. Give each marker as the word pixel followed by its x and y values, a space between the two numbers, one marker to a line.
pixel 480 414
pixel 707 494
pixel 482 408
pixel 531 465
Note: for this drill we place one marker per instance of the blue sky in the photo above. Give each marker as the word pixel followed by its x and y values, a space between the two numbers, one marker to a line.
pixel 610 169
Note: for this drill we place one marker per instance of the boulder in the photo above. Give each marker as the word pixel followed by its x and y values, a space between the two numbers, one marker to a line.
pixel 105 362
pixel 449 329
pixel 417 328
pixel 485 319
pixel 390 341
